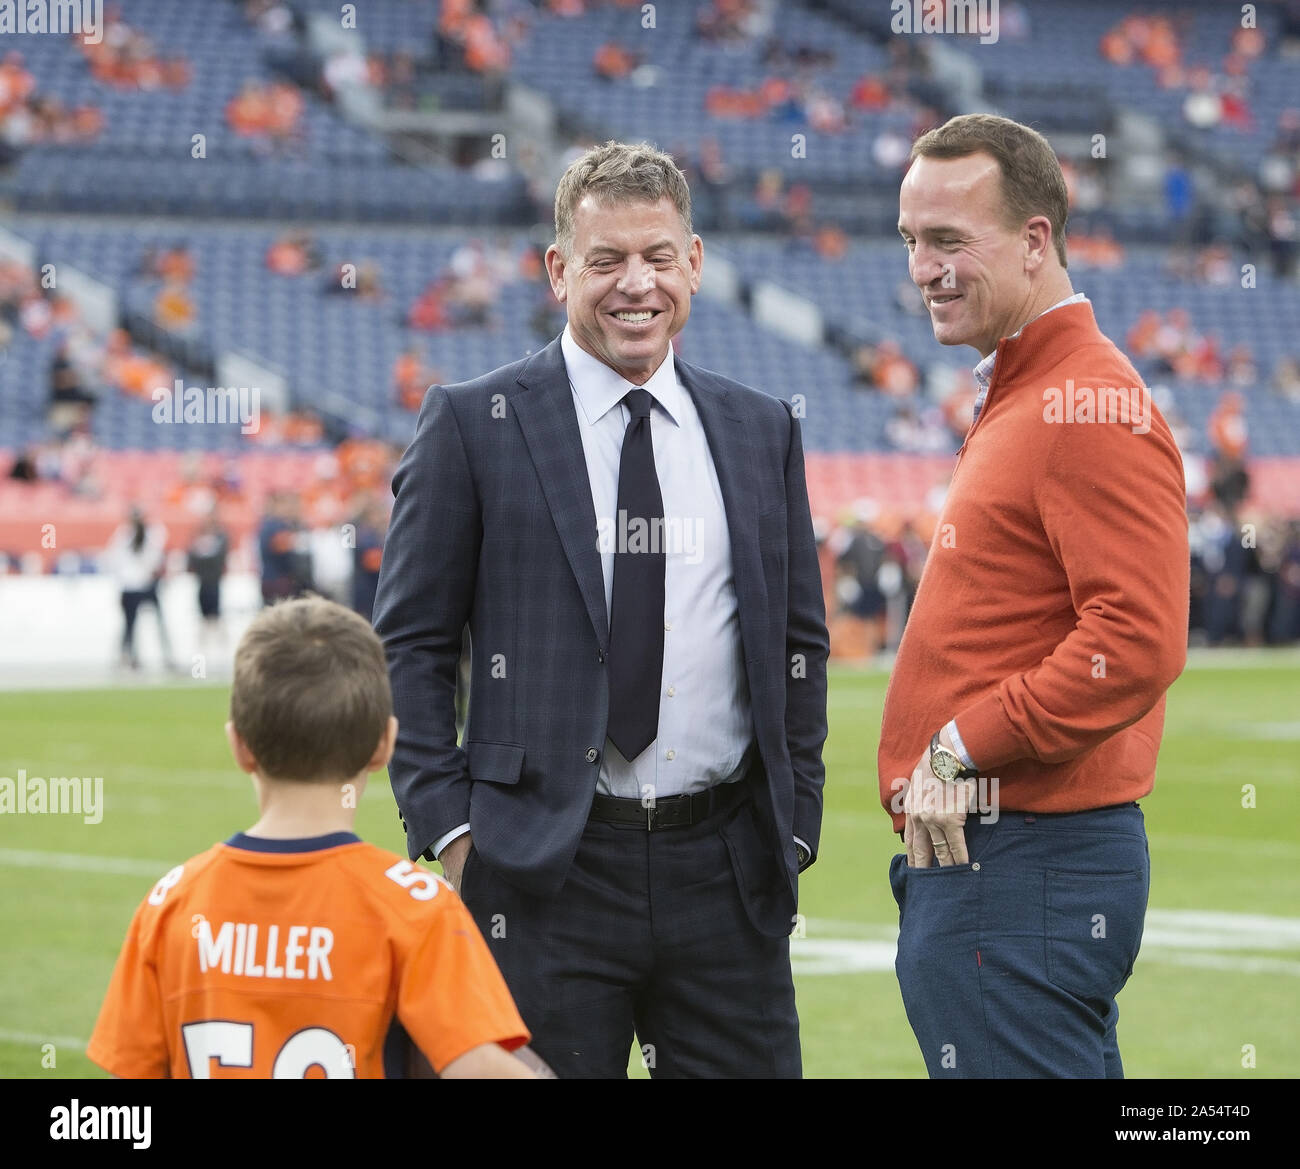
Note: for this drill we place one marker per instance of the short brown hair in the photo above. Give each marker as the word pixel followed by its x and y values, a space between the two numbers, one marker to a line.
pixel 310 696
pixel 1032 182
pixel 619 173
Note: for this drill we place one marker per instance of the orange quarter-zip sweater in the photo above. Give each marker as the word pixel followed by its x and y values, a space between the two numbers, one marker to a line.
pixel 1051 616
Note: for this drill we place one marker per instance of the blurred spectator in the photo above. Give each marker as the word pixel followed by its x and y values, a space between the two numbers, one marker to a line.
pixel 1284 626
pixel 282 545
pixel 268 111
pixel 870 93
pixel 429 312
pixel 173 308
pixel 368 553
pixel 28 118
pixel 272 17
pixel 475 285
pixel 137 374
pixel 885 368
pixel 365 464
pixel 362 280
pixel 293 254
pixel 1241 370
pixel 958 406
pixel 206 559
pixel 1099 249
pixel 71 403
pixel 171 263
pixel 1283 237
pixel 918 431
pixel 411 378
pixel 190 494
pixel 736 21
pixel 1286 378
pixel 126 58
pixel 613 61
pixel 23 469
pixel 1227 428
pixel 858 566
pixel 136 557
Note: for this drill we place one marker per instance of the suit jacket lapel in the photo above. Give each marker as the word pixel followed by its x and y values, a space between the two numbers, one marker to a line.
pixel 549 423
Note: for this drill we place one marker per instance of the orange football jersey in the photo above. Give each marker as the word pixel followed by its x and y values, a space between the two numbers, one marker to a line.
pixel 288 958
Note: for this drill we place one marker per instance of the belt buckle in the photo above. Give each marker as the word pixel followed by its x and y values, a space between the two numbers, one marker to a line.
pixel 650 810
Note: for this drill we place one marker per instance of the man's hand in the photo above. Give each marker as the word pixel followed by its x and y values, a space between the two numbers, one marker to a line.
pixel 453 859
pixel 936 816
pixel 489 1061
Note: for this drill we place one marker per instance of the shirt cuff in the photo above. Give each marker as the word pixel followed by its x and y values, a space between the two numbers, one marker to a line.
pixel 957 744
pixel 443 841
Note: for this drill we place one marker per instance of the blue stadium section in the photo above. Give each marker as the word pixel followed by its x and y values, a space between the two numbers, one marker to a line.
pixel 362 204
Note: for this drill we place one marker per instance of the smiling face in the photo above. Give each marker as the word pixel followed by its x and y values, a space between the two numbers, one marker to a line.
pixel 980 278
pixel 627 282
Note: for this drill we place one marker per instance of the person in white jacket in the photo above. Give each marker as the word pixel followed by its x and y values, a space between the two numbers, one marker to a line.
pixel 136 556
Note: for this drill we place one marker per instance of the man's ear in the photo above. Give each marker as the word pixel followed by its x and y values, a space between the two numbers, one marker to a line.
pixel 555 265
pixel 239 749
pixel 695 257
pixel 384 751
pixel 1038 242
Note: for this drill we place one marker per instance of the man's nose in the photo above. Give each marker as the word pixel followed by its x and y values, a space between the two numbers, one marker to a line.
pixel 638 277
pixel 926 267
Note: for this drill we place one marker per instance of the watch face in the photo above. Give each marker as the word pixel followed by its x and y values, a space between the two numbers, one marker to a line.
pixel 945 764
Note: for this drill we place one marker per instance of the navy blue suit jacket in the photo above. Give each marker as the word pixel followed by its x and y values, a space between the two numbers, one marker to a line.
pixel 493 526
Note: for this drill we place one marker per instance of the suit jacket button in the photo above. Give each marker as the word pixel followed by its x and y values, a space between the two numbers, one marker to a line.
pixel 592 754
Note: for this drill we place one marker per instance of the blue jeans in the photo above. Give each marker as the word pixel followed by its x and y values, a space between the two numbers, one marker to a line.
pixel 1009 965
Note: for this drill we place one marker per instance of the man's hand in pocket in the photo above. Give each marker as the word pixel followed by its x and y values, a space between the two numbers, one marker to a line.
pixel 453 859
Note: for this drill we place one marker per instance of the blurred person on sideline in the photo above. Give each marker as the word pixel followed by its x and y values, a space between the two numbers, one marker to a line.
pixel 136 556
pixel 207 561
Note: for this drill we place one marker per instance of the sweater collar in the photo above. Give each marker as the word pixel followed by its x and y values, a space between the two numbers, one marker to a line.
pixel 1045 340
pixel 984 370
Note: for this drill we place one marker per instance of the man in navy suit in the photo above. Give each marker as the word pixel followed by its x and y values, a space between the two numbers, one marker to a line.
pixel 628 539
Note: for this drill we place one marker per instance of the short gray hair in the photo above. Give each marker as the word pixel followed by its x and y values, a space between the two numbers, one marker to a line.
pixel 618 172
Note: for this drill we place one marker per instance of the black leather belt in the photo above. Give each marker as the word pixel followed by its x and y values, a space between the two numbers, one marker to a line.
pixel 672 811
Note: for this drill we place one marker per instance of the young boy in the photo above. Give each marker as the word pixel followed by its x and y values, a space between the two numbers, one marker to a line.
pixel 294 948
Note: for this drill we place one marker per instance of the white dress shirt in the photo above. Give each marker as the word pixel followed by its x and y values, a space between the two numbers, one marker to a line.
pixel 705 723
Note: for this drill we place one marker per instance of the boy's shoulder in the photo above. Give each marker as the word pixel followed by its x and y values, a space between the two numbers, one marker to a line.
pixel 408 889
pixel 173 888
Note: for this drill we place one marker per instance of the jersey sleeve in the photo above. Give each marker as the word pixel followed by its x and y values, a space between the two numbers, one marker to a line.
pixel 451 996
pixel 130 1038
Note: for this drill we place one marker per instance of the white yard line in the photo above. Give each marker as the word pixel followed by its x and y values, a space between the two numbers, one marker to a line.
pixel 78 862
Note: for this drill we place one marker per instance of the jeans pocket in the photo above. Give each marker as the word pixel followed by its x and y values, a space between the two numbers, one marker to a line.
pixel 1094 930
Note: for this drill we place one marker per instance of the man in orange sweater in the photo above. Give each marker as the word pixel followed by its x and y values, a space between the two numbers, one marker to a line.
pixel 1049 622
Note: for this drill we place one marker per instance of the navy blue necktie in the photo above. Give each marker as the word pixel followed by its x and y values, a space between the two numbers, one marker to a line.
pixel 636 613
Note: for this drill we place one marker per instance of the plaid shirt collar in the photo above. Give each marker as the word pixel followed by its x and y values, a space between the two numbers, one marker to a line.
pixel 984 371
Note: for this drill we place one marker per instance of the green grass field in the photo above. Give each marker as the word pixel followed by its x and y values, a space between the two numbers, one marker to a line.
pixel 1205 986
